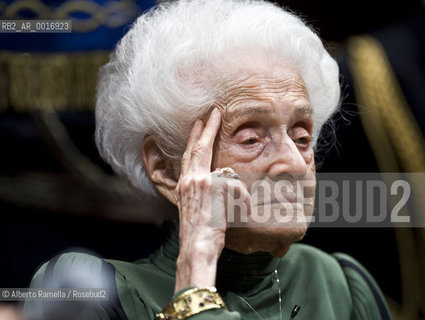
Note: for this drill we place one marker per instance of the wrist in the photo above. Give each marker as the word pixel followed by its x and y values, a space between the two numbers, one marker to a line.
pixel 195 269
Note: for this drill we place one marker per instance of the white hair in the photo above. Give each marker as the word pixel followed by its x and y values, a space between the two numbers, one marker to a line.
pixel 163 74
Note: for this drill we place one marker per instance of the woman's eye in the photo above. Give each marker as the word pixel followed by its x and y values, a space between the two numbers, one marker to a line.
pixel 304 141
pixel 249 141
pixel 300 135
pixel 249 134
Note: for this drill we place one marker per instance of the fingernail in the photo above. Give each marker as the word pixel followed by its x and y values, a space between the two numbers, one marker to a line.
pixel 215 111
pixel 198 122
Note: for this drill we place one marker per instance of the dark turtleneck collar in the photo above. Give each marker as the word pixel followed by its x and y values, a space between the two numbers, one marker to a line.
pixel 236 272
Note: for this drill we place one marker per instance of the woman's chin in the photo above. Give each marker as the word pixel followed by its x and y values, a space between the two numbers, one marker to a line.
pixel 275 241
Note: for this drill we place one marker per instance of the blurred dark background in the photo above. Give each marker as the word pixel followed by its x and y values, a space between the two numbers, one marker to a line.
pixel 56 193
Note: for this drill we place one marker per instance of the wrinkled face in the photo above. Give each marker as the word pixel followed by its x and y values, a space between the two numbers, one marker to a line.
pixel 266 138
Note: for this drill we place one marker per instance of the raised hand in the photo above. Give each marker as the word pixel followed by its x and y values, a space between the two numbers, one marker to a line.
pixel 201 201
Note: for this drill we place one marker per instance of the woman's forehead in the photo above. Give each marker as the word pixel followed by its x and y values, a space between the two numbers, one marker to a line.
pixel 262 87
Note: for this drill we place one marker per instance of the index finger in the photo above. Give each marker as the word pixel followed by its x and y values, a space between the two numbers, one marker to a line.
pixel 194 136
pixel 202 158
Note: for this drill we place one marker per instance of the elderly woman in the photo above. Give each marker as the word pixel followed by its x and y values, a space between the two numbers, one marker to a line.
pixel 202 102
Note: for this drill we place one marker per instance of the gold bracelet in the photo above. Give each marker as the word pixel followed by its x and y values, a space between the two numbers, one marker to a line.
pixel 191 302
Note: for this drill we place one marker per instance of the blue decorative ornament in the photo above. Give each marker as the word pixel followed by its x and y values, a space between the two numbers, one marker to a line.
pixel 96 24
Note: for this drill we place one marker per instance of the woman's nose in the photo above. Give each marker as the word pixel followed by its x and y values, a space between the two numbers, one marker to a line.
pixel 288 160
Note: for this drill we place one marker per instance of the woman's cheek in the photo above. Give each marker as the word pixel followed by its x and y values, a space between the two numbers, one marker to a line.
pixel 232 153
pixel 226 155
pixel 250 153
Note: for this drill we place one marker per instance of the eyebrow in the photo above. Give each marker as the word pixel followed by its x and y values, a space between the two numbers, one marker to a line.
pixel 303 110
pixel 248 110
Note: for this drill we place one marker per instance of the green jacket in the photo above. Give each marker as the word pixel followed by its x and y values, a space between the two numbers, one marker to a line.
pixel 324 286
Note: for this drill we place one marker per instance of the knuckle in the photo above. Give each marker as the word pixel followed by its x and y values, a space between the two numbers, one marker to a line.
pixel 194 182
pixel 202 180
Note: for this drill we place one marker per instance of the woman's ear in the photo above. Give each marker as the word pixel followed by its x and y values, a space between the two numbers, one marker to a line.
pixel 159 168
